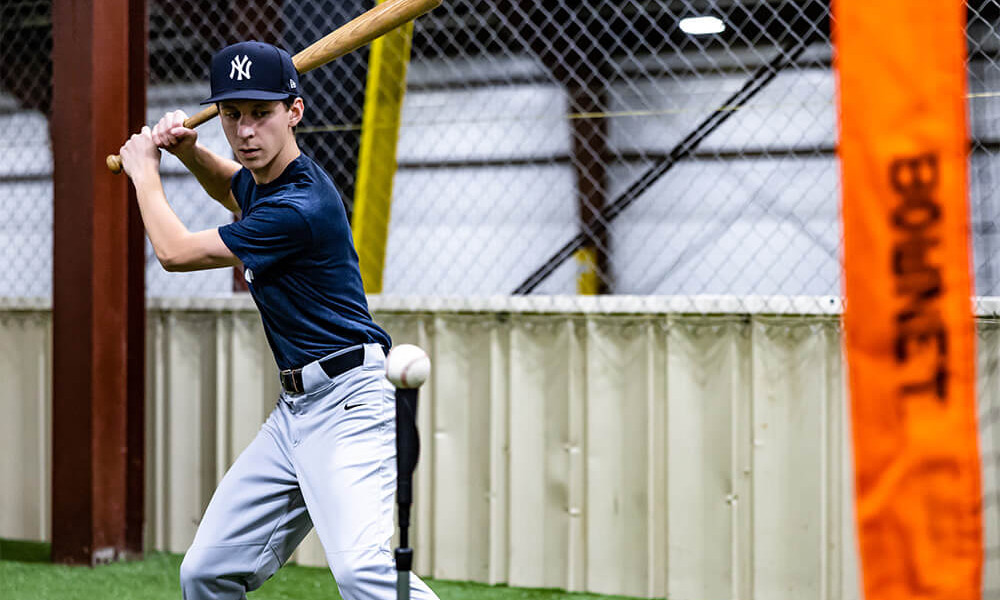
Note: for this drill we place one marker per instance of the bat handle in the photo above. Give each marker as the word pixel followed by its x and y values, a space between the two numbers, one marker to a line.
pixel 114 163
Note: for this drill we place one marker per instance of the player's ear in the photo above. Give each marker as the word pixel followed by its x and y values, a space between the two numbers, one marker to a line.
pixel 296 109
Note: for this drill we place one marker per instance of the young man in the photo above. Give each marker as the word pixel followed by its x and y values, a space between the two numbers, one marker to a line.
pixel 326 455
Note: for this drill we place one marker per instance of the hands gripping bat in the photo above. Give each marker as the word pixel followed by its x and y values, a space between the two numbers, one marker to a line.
pixel 359 31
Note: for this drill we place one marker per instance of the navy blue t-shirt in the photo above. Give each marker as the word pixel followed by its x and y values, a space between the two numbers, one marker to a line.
pixel 302 269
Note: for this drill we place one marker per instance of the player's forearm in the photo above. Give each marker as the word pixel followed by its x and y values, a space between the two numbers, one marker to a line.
pixel 163 227
pixel 213 172
pixel 174 245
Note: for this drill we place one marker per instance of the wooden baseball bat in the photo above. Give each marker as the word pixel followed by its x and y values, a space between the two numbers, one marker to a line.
pixel 346 39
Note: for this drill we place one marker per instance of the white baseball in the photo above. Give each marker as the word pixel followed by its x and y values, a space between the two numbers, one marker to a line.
pixel 407 366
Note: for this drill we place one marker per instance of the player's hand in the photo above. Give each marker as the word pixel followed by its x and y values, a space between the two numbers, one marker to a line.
pixel 171 134
pixel 140 156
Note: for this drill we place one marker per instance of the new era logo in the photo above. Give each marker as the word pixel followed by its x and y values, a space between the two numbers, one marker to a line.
pixel 240 68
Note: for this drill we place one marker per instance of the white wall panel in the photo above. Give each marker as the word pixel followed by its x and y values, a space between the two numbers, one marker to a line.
pixel 460 428
pixel 795 392
pixel 545 378
pixel 31 153
pixel 794 110
pixel 25 425
pixel 624 395
pixel 25 238
pixel 762 226
pixel 185 424
pixel 466 231
pixel 989 447
pixel 649 455
pixel 708 463
pixel 510 122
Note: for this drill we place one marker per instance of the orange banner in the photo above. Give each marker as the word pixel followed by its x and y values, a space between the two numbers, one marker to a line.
pixel 909 327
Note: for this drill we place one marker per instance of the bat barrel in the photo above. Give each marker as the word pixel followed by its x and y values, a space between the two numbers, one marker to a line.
pixel 373 24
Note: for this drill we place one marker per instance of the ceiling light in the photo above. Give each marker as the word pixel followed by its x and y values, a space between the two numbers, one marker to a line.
pixel 702 25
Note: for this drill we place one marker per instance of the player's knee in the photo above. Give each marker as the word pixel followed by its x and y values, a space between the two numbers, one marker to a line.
pixel 204 574
pixel 348 579
pixel 199 571
pixel 356 572
pixel 225 571
pixel 194 571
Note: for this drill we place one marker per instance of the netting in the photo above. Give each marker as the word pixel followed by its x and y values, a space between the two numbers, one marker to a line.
pixel 25 149
pixel 543 140
pixel 676 164
pixel 540 141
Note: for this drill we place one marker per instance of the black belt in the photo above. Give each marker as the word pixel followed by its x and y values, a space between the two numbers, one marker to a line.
pixel 291 379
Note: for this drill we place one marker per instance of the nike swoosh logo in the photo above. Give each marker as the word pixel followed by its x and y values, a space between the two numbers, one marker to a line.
pixel 350 406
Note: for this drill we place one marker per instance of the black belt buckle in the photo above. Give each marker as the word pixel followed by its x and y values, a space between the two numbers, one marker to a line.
pixel 291 381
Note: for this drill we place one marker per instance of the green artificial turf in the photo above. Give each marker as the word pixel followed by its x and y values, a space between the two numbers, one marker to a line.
pixel 25 551
pixel 155 578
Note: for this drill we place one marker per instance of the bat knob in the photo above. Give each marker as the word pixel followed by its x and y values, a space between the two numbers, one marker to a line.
pixel 114 163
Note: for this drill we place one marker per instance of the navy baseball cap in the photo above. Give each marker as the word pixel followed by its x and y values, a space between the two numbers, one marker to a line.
pixel 252 71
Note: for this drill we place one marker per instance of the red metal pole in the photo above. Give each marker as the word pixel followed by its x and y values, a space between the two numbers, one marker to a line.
pixel 93 464
pixel 138 75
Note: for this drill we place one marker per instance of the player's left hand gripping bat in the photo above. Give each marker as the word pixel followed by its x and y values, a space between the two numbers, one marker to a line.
pixel 346 39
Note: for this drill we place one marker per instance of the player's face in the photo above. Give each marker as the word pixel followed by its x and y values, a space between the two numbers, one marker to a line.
pixel 260 134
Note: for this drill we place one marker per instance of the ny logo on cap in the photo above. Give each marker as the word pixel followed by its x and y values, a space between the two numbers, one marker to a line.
pixel 240 68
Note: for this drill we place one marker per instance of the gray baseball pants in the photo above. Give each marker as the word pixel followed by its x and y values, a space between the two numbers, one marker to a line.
pixel 313 463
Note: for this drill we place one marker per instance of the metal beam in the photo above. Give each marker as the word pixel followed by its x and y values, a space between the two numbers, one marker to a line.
pixel 135 369
pixel 97 380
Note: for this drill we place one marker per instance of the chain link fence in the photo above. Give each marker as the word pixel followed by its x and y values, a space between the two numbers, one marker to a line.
pixel 539 132
pixel 984 115
pixel 25 149
pixel 539 141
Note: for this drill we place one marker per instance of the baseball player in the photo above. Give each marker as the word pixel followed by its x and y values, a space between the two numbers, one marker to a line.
pixel 325 457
